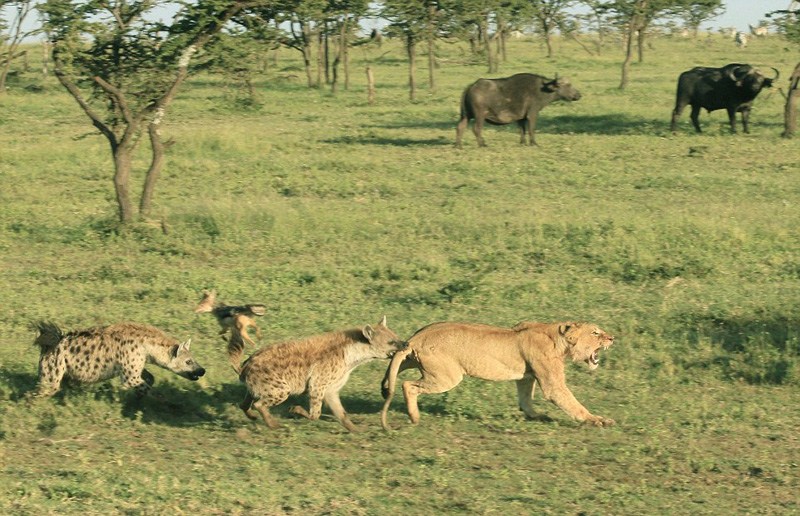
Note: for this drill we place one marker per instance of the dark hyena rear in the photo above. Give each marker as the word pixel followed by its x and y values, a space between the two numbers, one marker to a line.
pixel 100 353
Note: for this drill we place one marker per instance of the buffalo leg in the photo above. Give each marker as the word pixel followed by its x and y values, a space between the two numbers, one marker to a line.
pixel 676 113
pixel 531 123
pixel 462 124
pixel 477 128
pixel 696 118
pixel 745 120
pixel 732 119
pixel 523 128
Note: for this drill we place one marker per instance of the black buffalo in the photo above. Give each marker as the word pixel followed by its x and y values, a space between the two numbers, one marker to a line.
pixel 732 87
pixel 518 98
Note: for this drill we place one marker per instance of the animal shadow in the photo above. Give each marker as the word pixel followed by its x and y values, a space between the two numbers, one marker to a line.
pixel 384 141
pixel 20 383
pixel 610 124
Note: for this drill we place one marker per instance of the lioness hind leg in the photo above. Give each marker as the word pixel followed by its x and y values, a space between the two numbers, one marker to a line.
pixel 426 385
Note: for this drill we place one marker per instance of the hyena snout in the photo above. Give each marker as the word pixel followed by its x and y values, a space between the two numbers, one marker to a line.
pixel 183 363
pixel 196 374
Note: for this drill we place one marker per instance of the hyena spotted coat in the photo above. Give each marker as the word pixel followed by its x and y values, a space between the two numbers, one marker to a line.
pixel 103 352
pixel 319 365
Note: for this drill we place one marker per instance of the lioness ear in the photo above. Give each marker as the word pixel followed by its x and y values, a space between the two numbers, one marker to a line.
pixel 563 329
pixel 368 332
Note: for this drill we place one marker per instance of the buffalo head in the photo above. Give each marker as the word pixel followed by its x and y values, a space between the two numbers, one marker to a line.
pixel 750 79
pixel 562 88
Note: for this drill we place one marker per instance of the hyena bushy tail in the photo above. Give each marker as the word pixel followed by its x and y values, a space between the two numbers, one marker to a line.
pixel 49 336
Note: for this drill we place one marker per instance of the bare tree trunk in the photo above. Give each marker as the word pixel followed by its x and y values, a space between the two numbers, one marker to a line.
pixel 156 164
pixel 411 47
pixel 335 70
pixel 626 65
pixel 122 173
pixel 45 58
pixel 327 52
pixel 307 38
pixel 431 64
pixel 487 45
pixel 790 112
pixel 548 40
pixel 370 86
pixel 320 58
pixel 640 37
pixel 344 51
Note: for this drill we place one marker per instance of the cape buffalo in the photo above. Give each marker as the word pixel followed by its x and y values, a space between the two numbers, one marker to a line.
pixel 732 87
pixel 518 98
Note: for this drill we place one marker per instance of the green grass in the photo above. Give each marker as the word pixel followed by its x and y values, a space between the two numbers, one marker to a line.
pixel 333 212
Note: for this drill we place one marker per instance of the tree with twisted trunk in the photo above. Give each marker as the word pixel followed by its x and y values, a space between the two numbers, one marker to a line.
pixel 124 69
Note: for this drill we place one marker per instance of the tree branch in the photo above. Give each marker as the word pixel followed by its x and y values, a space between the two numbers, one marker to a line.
pixel 96 120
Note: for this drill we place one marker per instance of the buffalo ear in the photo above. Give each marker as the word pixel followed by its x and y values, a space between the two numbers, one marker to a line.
pixel 550 86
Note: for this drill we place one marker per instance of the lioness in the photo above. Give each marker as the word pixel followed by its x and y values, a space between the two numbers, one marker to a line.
pixel 528 353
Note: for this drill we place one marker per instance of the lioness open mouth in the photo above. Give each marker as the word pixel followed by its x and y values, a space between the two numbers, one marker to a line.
pixel 594 359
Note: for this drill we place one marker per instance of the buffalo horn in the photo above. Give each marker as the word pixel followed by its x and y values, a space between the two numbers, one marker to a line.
pixel 777 73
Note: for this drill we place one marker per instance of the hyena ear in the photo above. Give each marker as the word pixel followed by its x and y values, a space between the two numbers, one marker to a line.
pixel 183 346
pixel 368 332
pixel 383 322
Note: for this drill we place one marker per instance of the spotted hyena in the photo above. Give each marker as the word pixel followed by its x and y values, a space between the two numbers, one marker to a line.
pixel 319 365
pixel 103 352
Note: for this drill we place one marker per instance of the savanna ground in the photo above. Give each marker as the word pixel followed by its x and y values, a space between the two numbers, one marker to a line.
pixel 333 212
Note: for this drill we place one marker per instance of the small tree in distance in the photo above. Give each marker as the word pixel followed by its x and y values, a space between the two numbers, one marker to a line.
pixel 124 69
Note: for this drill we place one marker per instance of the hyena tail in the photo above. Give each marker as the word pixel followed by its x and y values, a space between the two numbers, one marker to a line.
pixel 391 377
pixel 244 371
pixel 49 336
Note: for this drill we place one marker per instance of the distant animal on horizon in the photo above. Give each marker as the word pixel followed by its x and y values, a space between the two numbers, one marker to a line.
pixel 103 352
pixel 319 365
pixel 234 319
pixel 760 31
pixel 740 39
pixel 518 98
pixel 732 87
pixel 528 353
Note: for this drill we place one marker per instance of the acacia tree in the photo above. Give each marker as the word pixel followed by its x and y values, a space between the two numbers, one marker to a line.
pixel 695 12
pixel 788 22
pixel 415 21
pixel 12 34
pixel 124 70
pixel 635 17
pixel 547 16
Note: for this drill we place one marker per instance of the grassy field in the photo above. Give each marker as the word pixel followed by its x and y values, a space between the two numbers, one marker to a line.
pixel 333 212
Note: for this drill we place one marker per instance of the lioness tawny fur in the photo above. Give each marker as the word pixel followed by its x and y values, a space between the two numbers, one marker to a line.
pixel 529 353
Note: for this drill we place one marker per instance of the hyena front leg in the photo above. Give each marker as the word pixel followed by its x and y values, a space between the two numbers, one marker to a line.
pixel 52 368
pixel 135 377
pixel 335 404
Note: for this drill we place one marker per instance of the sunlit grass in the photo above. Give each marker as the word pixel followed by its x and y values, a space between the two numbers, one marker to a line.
pixel 333 212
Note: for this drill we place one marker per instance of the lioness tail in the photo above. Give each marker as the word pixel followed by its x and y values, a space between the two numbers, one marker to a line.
pixel 394 368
